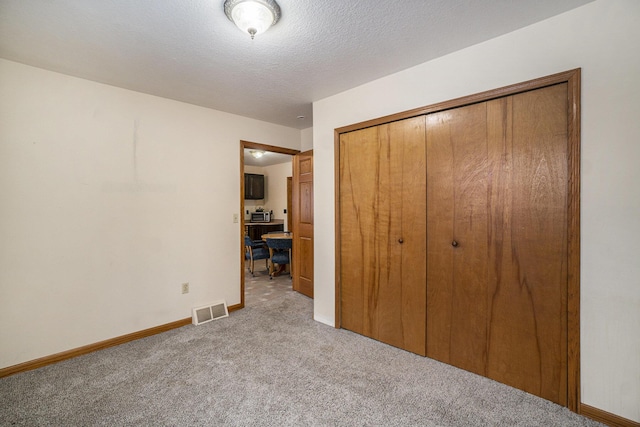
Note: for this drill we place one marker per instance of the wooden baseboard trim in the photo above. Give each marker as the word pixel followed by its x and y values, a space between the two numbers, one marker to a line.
pixel 58 357
pixel 585 410
pixel 606 417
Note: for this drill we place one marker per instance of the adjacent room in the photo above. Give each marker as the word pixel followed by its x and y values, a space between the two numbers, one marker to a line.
pixel 436 164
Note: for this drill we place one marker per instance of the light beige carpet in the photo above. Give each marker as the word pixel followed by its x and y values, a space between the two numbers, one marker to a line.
pixel 269 364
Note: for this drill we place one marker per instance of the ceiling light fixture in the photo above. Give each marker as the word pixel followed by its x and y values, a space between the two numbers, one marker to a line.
pixel 256 153
pixel 252 16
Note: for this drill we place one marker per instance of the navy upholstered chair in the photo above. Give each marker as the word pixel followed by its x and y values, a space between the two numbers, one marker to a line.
pixel 254 251
pixel 279 253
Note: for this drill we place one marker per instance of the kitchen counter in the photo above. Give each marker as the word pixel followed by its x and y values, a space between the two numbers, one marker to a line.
pixel 275 221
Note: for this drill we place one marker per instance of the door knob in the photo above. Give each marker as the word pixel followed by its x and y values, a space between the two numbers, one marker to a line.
pixel 454 244
pixel 400 240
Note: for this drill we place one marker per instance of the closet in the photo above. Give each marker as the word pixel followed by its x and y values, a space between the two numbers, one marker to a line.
pixel 383 238
pixel 457 234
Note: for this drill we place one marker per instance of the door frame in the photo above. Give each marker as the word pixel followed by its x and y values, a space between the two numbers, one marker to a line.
pixel 255 146
pixel 572 78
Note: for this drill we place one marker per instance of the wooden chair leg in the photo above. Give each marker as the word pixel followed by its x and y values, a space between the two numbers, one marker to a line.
pixel 271 268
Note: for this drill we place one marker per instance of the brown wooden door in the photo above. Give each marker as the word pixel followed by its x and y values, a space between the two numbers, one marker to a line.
pixel 382 233
pixel 497 175
pixel 290 203
pixel 302 210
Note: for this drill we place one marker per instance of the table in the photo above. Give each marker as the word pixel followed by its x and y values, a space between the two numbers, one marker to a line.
pixel 283 235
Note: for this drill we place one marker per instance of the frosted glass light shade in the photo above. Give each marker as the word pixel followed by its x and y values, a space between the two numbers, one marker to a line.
pixel 252 16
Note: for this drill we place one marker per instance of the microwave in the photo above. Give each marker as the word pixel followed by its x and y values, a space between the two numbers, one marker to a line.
pixel 260 217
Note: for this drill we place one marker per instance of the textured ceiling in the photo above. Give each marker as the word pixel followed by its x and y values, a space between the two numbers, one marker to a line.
pixel 190 51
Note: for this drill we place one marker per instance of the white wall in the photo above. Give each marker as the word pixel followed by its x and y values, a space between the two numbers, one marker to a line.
pixel 275 194
pixel 277 189
pixel 306 139
pixel 603 38
pixel 109 200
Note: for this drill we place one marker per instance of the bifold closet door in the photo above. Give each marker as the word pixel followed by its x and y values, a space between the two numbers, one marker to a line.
pixel 497 240
pixel 383 233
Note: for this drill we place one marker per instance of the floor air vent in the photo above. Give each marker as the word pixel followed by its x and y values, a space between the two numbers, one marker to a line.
pixel 210 312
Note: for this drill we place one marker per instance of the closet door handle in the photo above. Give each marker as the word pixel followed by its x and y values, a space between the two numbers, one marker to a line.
pixel 454 244
pixel 400 240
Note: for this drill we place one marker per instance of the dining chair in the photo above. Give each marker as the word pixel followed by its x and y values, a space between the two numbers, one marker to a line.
pixel 279 253
pixel 255 250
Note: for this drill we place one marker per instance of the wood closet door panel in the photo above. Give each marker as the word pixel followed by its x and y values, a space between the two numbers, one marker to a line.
pixel 527 324
pixel 503 198
pixel 410 167
pixel 382 233
pixel 359 156
pixel 457 218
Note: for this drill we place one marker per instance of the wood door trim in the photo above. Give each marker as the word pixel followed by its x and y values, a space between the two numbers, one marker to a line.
pixel 573 80
pixel 257 146
pixel 573 245
pixel 264 147
pixel 336 207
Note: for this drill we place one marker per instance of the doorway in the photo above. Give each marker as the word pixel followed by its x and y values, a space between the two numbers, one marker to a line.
pixel 267 149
